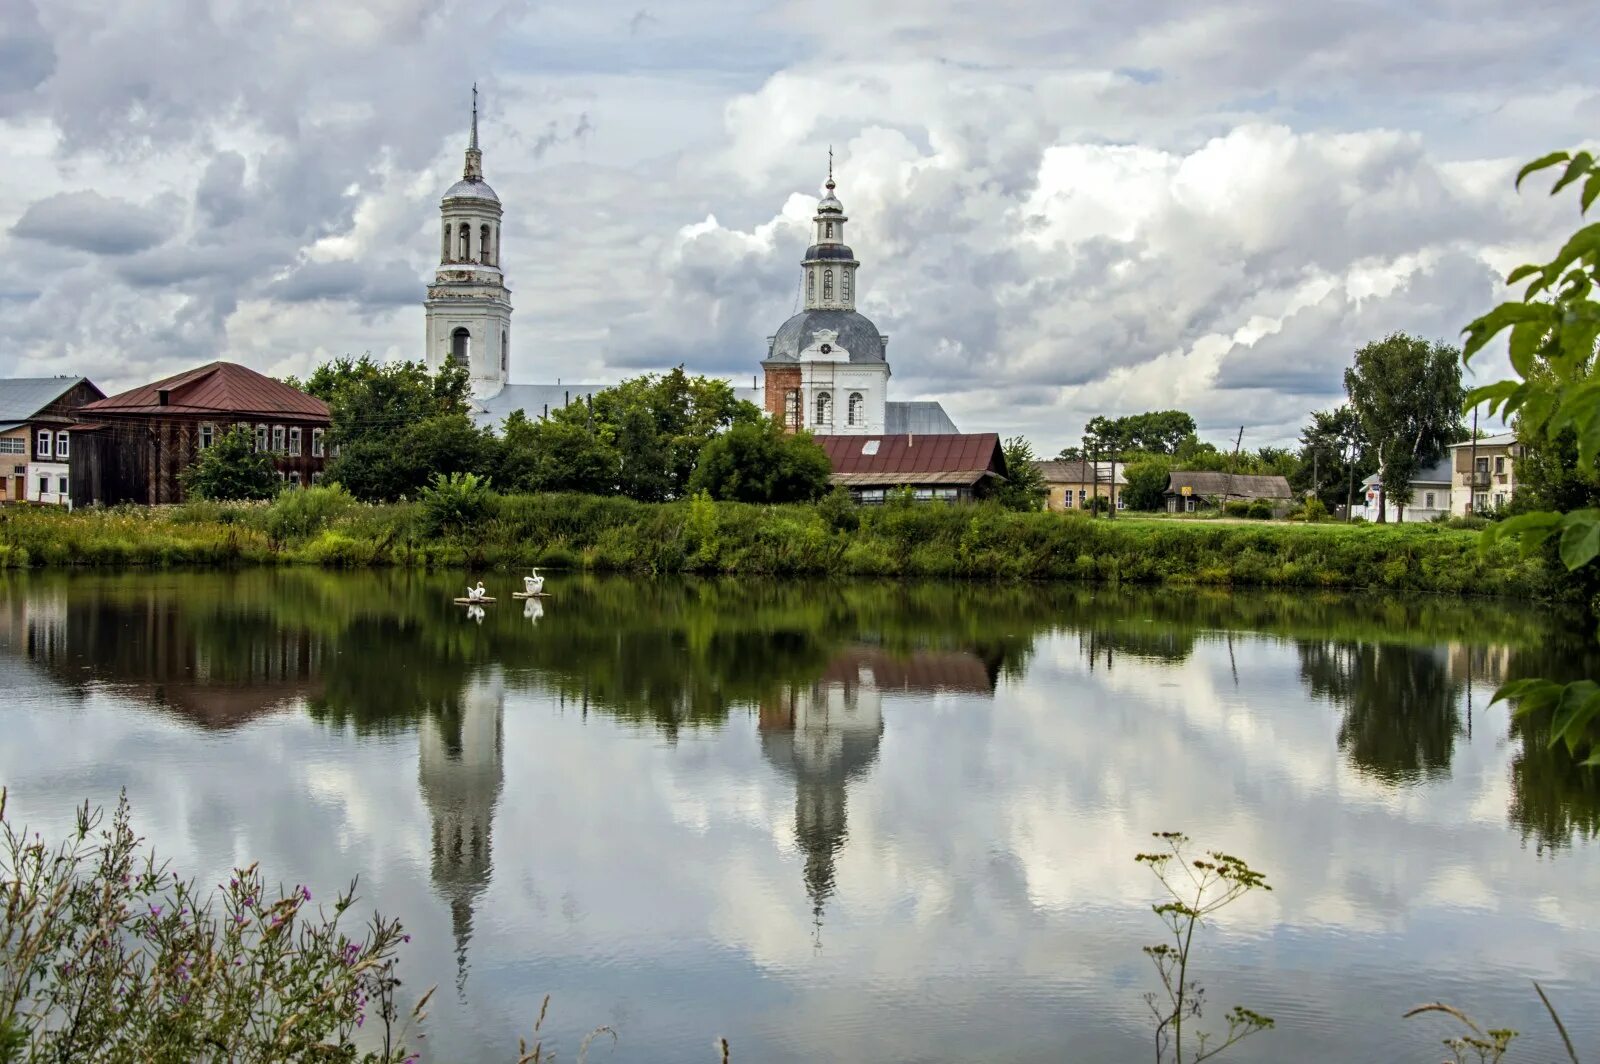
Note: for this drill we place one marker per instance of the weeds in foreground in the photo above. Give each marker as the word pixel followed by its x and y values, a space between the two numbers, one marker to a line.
pixel 1480 1046
pixel 1198 888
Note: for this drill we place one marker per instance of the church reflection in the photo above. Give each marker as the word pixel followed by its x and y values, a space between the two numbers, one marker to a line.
pixel 825 735
pixel 460 769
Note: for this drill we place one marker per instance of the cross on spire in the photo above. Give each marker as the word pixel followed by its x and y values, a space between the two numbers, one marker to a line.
pixel 473 171
pixel 830 168
pixel 474 143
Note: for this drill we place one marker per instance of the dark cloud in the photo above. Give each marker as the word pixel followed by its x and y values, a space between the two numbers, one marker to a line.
pixel 220 195
pixel 27 55
pixel 88 221
pixel 389 284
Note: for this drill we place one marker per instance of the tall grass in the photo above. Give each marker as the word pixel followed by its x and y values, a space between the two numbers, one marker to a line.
pixel 698 535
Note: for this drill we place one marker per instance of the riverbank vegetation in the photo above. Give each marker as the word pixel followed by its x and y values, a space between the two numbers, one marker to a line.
pixel 459 524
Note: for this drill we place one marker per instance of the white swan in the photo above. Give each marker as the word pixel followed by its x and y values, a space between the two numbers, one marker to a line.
pixel 533 609
pixel 476 593
pixel 475 613
pixel 533 584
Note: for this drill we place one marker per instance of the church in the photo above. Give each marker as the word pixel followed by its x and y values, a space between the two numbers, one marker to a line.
pixel 826 369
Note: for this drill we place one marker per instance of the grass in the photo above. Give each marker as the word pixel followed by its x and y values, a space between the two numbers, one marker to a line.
pixel 592 533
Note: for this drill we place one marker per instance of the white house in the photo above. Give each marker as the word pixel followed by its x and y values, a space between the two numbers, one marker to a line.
pixel 1430 495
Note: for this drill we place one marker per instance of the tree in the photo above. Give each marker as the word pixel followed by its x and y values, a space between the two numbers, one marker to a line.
pixel 1024 487
pixel 232 468
pixel 1408 396
pixel 760 462
pixel 396 425
pixel 1153 432
pixel 1334 456
pixel 1146 487
pixel 558 453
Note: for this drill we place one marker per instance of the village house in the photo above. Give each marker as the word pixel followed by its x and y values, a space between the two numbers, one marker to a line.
pixel 1484 473
pixel 141 440
pixel 955 467
pixel 1191 491
pixel 1075 485
pixel 37 419
pixel 1430 496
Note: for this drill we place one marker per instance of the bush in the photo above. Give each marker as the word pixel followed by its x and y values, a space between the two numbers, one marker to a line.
pixel 839 510
pixel 301 514
pixel 232 468
pixel 1260 510
pixel 454 503
pixel 1236 508
pixel 1314 510
pixel 109 956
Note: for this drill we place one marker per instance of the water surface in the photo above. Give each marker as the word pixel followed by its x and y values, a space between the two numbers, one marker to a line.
pixel 842 822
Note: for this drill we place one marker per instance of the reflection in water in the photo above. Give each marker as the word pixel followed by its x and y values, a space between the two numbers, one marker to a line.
pixel 460 755
pixel 731 702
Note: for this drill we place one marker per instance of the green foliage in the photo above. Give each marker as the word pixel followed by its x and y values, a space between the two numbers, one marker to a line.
pixel 1555 399
pixel 1408 396
pixel 1196 888
pixel 1236 508
pixel 839 510
pixel 453 504
pixel 760 462
pixel 109 956
pixel 1024 487
pixel 1260 510
pixel 231 468
pixel 1146 487
pixel 1154 432
pixel 396 425
pixel 302 514
pixel 1313 510
pixel 1334 456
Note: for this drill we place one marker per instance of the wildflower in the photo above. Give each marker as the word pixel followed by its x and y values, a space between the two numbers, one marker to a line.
pixel 305 894
pixel 155 912
pixel 405 938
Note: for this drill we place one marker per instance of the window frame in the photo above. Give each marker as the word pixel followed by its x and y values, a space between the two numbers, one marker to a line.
pixel 827 285
pixel 261 439
pixel 63 444
pixel 318 446
pixel 61 484
pixel 43 444
pixel 824 408
pixel 296 441
pixel 44 485
pixel 279 439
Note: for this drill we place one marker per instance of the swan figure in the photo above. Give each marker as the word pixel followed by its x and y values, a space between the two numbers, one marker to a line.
pixel 476 593
pixel 533 609
pixel 475 613
pixel 533 584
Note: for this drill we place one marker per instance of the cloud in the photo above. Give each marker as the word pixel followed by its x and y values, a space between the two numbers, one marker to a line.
pixel 88 221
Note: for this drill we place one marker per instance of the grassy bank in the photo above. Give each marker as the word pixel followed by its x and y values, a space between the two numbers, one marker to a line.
pixel 613 534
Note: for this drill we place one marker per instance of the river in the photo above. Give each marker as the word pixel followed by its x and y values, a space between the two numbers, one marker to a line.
pixel 843 822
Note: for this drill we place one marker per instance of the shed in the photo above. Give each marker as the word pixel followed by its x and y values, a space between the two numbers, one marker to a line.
pixel 1188 490
pixel 956 467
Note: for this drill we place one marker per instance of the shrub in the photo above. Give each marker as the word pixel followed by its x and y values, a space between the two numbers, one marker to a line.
pixel 839 510
pixel 454 503
pixel 1236 508
pixel 109 956
pixel 1314 510
pixel 231 468
pixel 302 514
pixel 1260 510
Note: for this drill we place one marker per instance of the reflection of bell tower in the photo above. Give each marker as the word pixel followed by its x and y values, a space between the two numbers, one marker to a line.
pixel 460 771
pixel 824 735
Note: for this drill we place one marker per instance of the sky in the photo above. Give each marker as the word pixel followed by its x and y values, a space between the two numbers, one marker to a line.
pixel 1062 209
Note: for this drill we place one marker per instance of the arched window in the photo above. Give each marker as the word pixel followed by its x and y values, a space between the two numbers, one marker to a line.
pixel 505 351
pixel 485 245
pixel 465 250
pixel 827 286
pixel 791 407
pixel 824 408
pixel 444 247
pixel 829 233
pixel 461 345
pixel 853 408
pixel 811 284
pixel 844 285
pixel 497 244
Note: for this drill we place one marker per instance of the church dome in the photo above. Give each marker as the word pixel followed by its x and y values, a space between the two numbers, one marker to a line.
pixel 471 190
pixel 856 334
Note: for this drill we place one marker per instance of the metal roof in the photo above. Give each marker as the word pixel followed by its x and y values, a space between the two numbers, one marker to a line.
pixel 1504 439
pixel 1438 473
pixel 536 400
pixel 1055 471
pixel 919 418
pixel 1236 485
pixel 225 388
pixel 466 189
pixel 913 459
pixel 855 333
pixel 23 397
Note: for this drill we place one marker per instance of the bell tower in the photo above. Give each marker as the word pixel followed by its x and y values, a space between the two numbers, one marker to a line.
pixel 468 305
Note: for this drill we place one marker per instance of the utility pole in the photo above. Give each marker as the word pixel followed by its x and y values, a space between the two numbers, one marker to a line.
pixel 1472 468
pixel 1111 511
pixel 1236 444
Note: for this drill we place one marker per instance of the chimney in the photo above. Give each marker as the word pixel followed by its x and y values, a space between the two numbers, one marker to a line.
pixel 164 397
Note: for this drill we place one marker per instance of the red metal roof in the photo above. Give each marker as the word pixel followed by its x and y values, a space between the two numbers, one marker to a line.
pixel 216 388
pixel 967 452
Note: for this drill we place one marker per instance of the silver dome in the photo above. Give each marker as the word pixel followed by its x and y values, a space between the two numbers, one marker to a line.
pixel 830 202
pixel 857 335
pixel 471 190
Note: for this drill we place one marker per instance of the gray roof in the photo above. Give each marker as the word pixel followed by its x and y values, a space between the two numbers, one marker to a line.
pixel 1228 485
pixel 857 335
pixel 1056 471
pixel 1502 440
pixel 1438 473
pixel 471 190
pixel 920 419
pixel 23 397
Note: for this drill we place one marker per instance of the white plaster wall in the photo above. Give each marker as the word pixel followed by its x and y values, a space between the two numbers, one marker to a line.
pixel 55 471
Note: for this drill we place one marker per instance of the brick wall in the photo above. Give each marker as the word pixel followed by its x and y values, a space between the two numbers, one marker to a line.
pixel 781 380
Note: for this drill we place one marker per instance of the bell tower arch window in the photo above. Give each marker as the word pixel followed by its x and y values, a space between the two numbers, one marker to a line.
pixel 853 409
pixel 811 284
pixel 484 246
pixel 827 286
pixel 505 351
pixel 444 247
pixel 464 251
pixel 828 231
pixel 844 284
pixel 461 345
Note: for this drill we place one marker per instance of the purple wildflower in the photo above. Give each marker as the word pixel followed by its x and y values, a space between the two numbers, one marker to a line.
pixel 305 893
pixel 155 911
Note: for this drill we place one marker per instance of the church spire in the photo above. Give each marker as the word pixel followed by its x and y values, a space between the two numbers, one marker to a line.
pixel 474 168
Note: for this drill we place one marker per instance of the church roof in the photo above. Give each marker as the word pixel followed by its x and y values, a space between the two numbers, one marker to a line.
pixel 465 189
pixel 920 418
pixel 856 334
pixel 216 388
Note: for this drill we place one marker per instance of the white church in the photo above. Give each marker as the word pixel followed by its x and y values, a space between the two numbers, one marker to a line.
pixel 826 368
